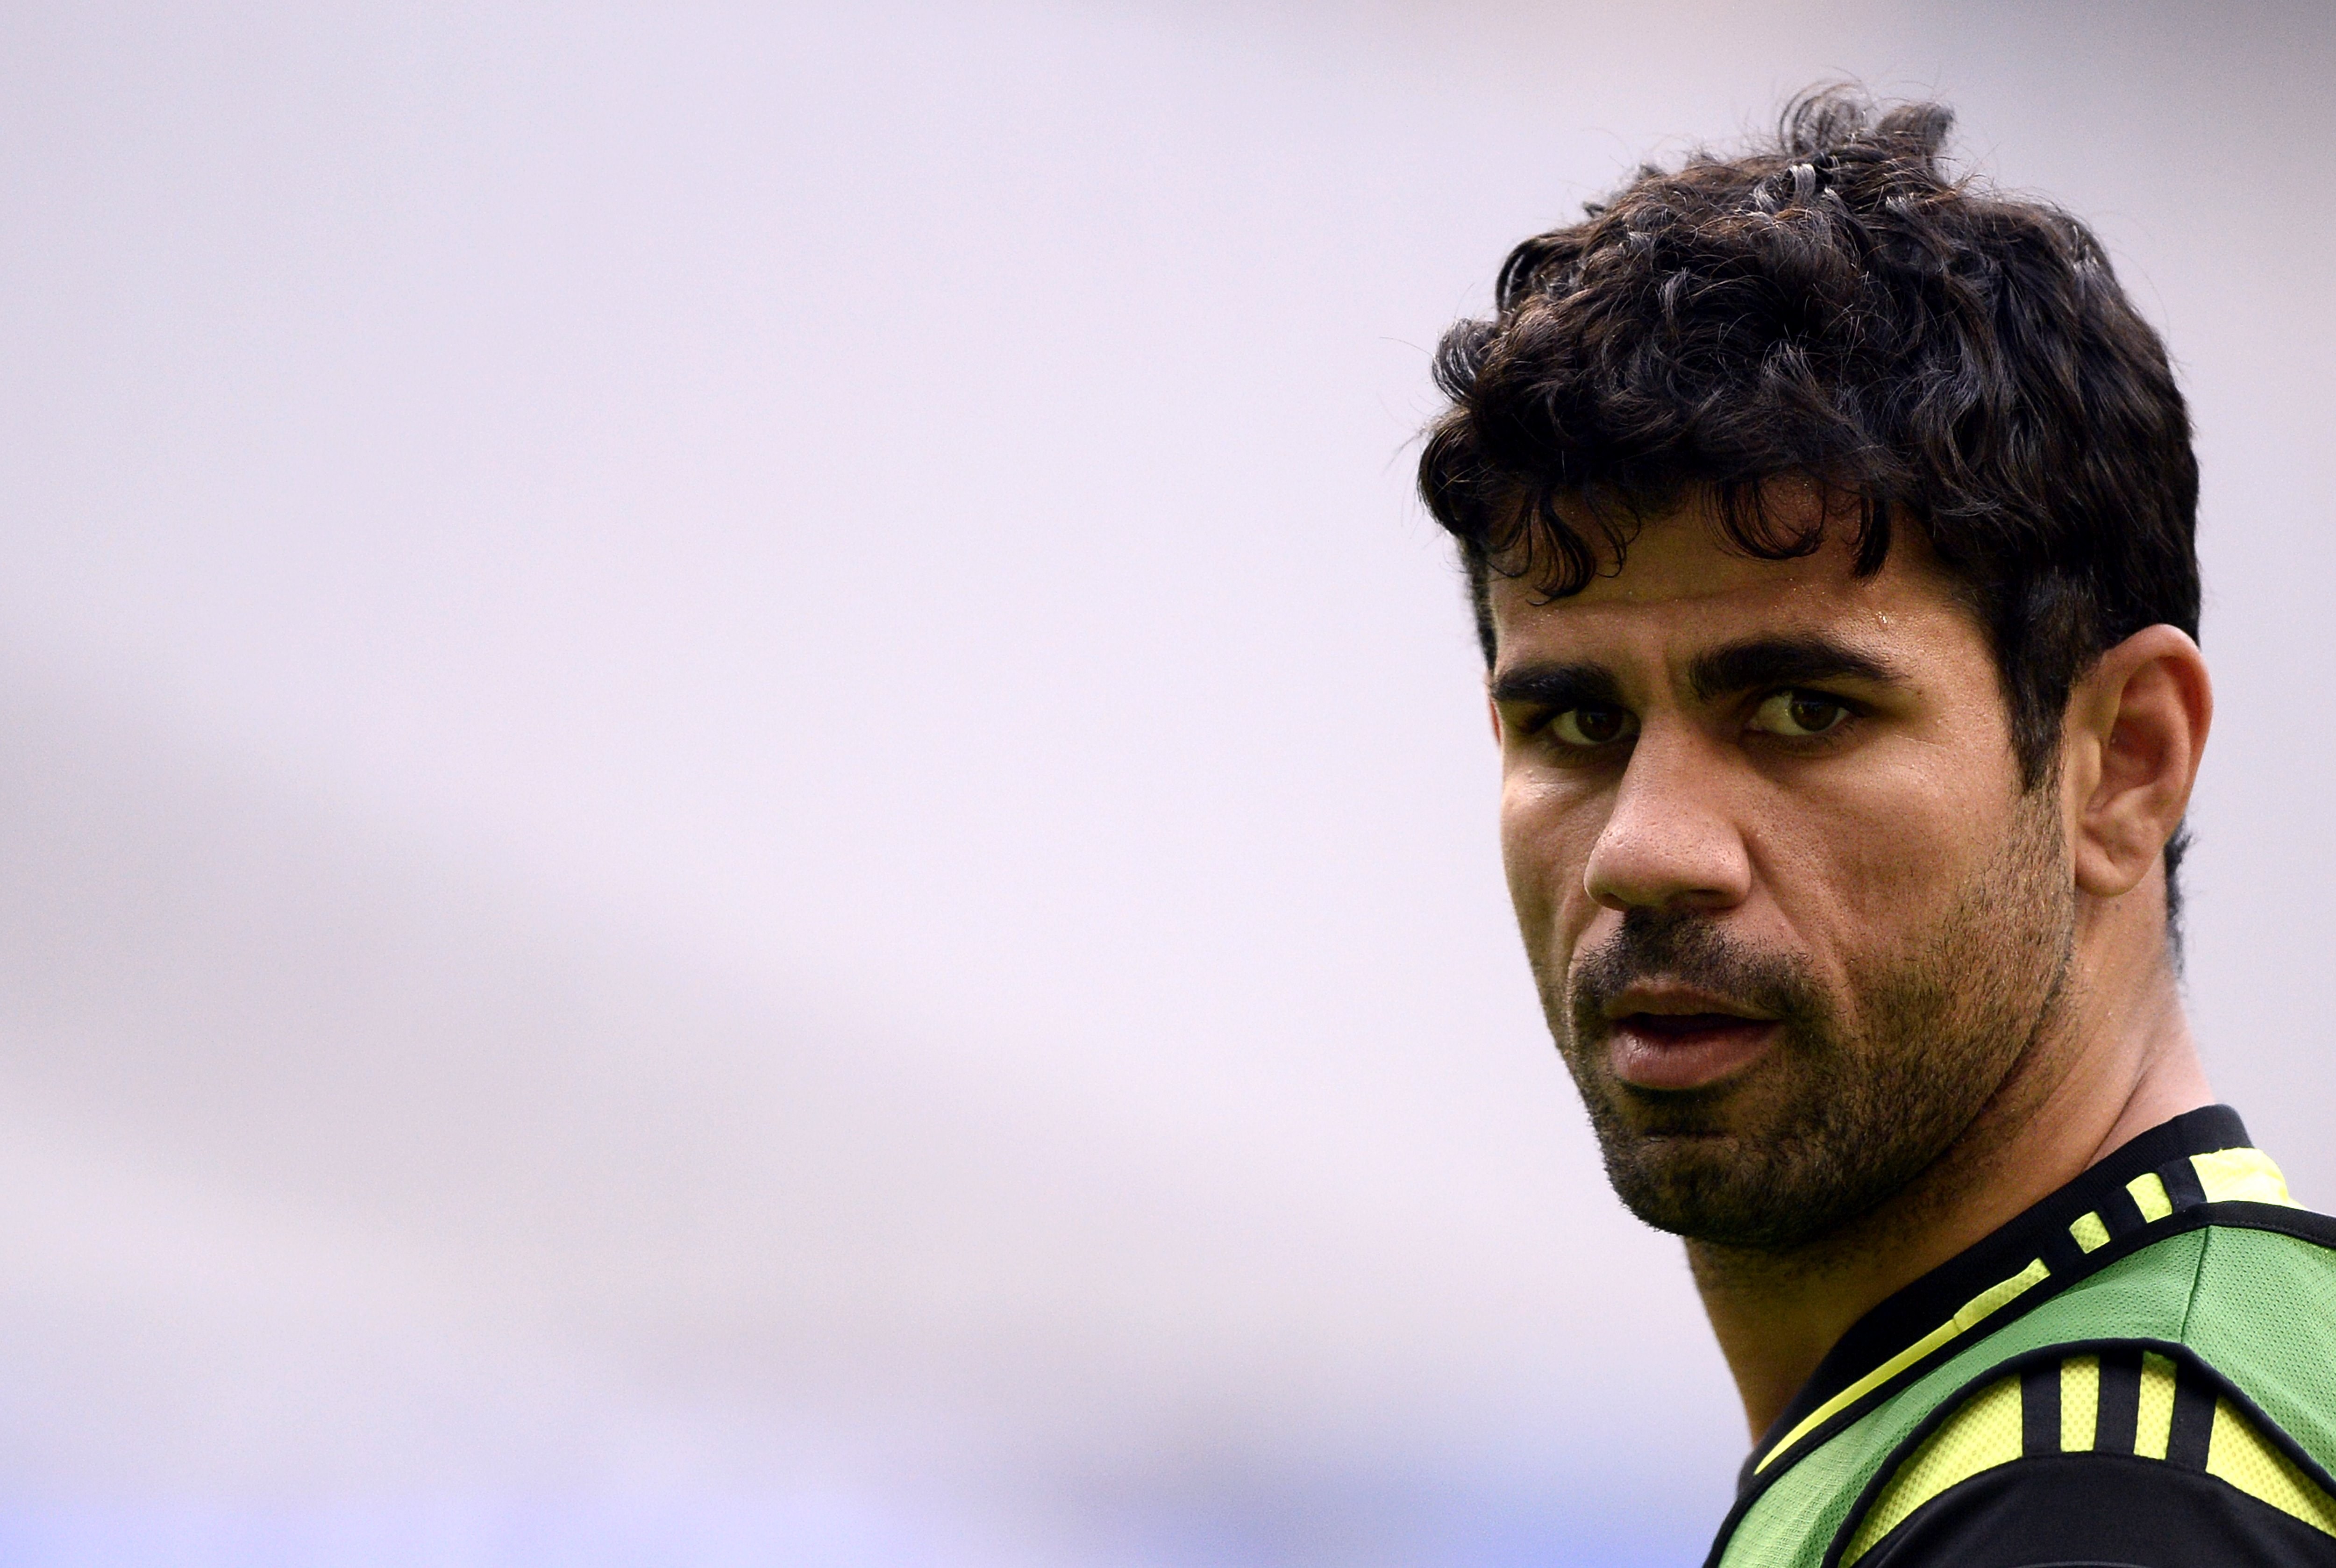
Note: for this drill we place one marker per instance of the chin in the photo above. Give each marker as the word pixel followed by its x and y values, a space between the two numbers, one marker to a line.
pixel 1722 1188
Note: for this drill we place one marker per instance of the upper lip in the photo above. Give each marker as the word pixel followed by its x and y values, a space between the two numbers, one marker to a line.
pixel 1675 1000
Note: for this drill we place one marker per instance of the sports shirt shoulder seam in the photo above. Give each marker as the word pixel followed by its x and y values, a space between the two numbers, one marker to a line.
pixel 2197 1279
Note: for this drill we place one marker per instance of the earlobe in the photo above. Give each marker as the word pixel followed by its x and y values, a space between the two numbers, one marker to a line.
pixel 2136 728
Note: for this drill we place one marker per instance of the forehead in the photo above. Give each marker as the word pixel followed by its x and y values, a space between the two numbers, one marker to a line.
pixel 1681 588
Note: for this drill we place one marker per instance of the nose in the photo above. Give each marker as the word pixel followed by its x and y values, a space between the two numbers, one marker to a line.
pixel 1671 840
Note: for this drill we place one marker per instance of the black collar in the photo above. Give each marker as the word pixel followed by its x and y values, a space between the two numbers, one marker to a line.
pixel 2041 1232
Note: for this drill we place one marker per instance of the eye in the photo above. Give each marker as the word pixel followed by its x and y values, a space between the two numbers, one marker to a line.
pixel 1593 726
pixel 1797 715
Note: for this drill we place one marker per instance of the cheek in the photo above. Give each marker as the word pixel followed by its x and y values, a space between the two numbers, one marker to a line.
pixel 1546 834
pixel 1874 856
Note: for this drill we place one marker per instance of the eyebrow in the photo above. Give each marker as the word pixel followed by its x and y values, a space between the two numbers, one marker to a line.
pixel 1768 661
pixel 1559 686
pixel 1773 661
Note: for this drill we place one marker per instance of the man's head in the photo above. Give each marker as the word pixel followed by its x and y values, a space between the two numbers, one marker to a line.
pixel 1830 528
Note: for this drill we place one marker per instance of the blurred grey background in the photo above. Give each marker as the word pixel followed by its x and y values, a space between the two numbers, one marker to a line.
pixel 743 821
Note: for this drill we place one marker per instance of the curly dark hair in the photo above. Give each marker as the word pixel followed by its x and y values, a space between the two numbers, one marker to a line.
pixel 1834 306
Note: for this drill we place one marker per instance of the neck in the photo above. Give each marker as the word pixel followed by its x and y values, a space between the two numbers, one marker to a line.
pixel 2121 1062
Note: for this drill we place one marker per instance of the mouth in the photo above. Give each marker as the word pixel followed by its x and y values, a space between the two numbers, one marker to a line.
pixel 1685 1050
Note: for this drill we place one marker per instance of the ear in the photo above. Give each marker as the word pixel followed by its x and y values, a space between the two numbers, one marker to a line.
pixel 2135 730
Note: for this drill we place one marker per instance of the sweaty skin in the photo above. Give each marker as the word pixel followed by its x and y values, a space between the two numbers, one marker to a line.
pixel 1813 774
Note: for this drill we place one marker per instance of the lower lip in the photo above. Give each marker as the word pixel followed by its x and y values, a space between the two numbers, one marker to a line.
pixel 1683 1055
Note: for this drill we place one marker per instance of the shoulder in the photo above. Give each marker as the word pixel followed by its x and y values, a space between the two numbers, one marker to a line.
pixel 2115 1454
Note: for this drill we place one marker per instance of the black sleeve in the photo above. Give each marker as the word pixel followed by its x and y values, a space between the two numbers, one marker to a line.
pixel 2098 1511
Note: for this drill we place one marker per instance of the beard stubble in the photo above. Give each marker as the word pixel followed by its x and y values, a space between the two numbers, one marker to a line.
pixel 1859 1096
